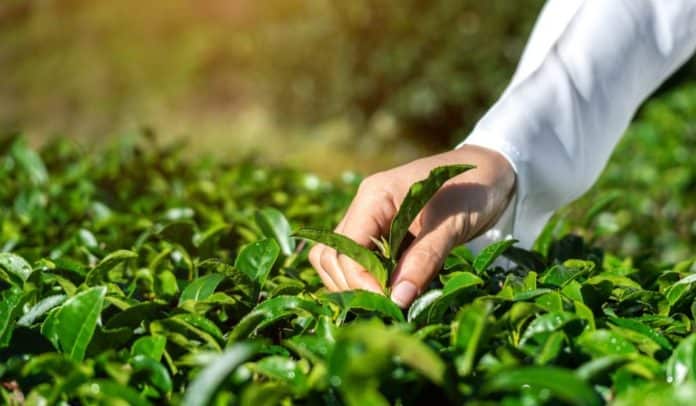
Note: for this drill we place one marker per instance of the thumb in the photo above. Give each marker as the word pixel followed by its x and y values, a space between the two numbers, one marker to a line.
pixel 421 262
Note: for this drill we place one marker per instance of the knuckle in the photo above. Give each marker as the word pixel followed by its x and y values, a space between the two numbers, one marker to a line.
pixel 460 228
pixel 367 185
pixel 426 256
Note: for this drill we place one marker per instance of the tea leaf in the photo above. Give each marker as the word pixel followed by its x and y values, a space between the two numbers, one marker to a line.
pixel 349 248
pixel 275 225
pixel 70 326
pixel 256 259
pixel 205 384
pixel 417 197
pixel 489 254
pixel 562 384
pixel 201 288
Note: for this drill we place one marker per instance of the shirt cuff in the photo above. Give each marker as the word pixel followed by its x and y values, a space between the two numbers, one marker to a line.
pixel 519 221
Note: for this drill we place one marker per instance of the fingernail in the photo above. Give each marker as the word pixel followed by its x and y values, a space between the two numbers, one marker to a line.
pixel 404 293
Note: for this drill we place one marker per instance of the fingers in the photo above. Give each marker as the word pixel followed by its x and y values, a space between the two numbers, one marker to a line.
pixel 368 216
pixel 421 262
pixel 315 260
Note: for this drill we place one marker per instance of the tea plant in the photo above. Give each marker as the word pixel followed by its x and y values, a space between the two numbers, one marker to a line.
pixel 381 266
pixel 131 276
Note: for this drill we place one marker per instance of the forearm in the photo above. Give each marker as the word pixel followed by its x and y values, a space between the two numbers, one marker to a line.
pixel 558 123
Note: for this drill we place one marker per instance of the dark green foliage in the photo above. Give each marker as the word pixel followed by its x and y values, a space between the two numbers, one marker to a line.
pixel 134 276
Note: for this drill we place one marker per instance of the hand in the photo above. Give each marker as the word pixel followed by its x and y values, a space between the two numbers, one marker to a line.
pixel 465 207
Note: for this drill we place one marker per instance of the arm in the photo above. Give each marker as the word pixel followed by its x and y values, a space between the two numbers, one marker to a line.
pixel 588 67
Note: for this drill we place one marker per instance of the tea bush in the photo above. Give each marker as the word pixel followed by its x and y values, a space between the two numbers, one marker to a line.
pixel 134 276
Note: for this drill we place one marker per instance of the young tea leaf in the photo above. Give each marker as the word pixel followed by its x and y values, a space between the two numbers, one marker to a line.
pixel 362 299
pixel 10 300
pixel 274 225
pixel 489 254
pixel 468 332
pixel 417 197
pixel 350 248
pixel 201 288
pixel 256 259
pixel 70 327
pixel 204 386
pixel 18 268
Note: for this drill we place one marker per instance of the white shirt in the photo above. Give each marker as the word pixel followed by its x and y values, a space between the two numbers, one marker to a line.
pixel 587 67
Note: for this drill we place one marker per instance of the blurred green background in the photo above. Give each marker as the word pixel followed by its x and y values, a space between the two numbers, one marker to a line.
pixel 326 86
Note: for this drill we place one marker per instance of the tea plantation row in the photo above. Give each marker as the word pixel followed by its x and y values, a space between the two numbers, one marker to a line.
pixel 135 276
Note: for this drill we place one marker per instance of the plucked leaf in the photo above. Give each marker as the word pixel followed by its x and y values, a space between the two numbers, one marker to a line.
pixel 350 248
pixel 417 197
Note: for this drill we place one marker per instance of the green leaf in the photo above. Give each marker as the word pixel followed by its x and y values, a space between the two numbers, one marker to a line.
pixel 154 372
pixel 274 225
pixel 149 346
pixel 10 300
pixel 561 275
pixel 456 291
pixel 350 248
pixel 641 328
pixel 459 257
pixel 562 383
pixel 550 348
pixel 39 309
pixel 283 369
pixel 202 389
pixel 600 343
pixel 679 289
pixel 96 275
pixel 201 288
pixel 468 333
pixel 460 280
pixel 18 269
pixel 137 314
pixel 363 349
pixel 489 254
pixel 70 327
pixel 657 393
pixel 422 303
pixel 103 391
pixel 256 259
pixel 364 300
pixel 681 365
pixel 417 197
pixel 263 393
pixel 547 323
pixel 271 311
pixel 30 162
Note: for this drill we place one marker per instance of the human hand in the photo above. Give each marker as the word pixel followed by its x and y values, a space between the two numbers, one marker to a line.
pixel 465 207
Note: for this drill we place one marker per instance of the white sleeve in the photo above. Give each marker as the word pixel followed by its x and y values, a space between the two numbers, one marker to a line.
pixel 588 66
